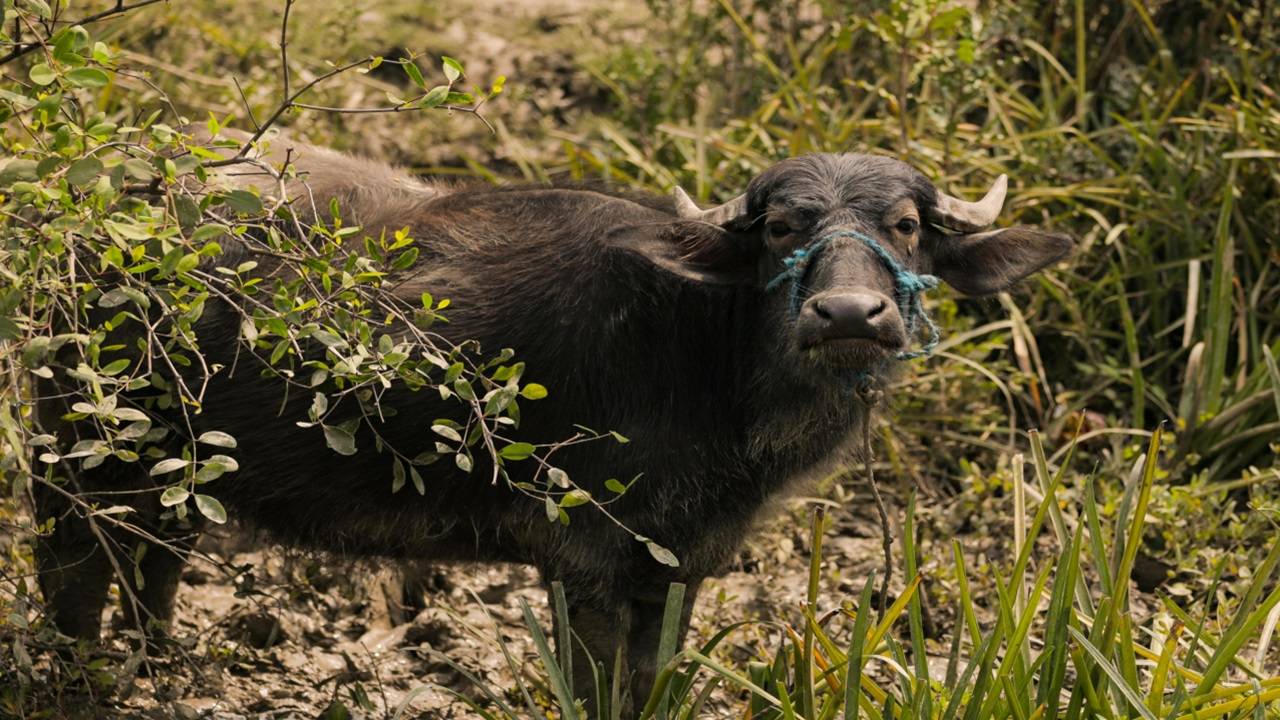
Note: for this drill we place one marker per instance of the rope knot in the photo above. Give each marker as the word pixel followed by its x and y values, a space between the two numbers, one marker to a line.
pixel 910 283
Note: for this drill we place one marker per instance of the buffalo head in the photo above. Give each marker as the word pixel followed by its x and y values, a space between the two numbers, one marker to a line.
pixel 829 240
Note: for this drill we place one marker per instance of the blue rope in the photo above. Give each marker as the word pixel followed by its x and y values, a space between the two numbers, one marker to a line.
pixel 907 286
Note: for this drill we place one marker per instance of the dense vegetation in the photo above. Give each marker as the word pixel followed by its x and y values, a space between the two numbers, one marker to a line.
pixel 1149 131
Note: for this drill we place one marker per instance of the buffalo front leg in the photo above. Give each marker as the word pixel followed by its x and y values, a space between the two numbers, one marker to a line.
pixel 159 567
pixel 648 611
pixel 599 623
pixel 74 569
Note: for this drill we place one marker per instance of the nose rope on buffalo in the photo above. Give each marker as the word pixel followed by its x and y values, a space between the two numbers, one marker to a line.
pixel 907 286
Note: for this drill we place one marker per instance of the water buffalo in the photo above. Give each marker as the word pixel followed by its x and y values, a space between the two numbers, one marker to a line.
pixel 724 342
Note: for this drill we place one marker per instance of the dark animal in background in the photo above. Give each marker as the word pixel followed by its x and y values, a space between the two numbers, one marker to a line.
pixel 642 315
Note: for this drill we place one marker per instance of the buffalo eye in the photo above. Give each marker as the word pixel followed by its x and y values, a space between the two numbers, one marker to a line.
pixel 907 226
pixel 779 229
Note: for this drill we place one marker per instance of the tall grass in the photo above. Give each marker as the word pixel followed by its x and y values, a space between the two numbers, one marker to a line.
pixel 1065 641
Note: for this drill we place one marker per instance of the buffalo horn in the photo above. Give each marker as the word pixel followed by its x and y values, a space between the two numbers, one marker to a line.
pixel 718 215
pixel 956 214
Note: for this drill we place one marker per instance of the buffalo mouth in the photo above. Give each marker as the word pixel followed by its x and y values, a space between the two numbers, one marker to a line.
pixel 851 353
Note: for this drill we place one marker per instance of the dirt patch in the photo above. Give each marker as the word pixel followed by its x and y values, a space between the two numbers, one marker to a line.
pixel 288 634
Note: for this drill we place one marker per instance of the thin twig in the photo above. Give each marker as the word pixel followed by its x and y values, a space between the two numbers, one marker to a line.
pixel 120 8
pixel 245 101
pixel 886 532
pixel 284 46
pixel 402 107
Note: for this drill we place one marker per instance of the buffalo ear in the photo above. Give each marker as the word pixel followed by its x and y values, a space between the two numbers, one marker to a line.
pixel 989 262
pixel 694 251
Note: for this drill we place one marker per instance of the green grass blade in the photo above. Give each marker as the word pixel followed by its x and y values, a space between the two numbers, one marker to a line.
pixel 966 596
pixel 559 685
pixel 1237 635
pixel 669 636
pixel 923 703
pixel 856 655
pixel 564 633
pixel 1117 679
pixel 1057 621
pixel 804 674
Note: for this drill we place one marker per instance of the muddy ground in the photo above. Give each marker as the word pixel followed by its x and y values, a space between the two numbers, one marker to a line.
pixel 315 630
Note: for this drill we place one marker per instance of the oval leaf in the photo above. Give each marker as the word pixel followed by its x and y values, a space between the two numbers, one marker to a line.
pixel 174 496
pixel 339 440
pixel 574 498
pixel 168 465
pixel 517 451
pixel 88 77
pixel 211 508
pixel 217 439
pixel 533 391
pixel 661 554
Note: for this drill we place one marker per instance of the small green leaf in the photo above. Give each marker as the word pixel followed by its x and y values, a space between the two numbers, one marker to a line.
pixel 84 170
pixel 434 97
pixel 227 462
pixel 517 451
pixel 339 440
pixel 211 508
pixel 16 170
pixel 174 496
pixel 463 388
pixel 452 68
pixel 661 554
pixel 116 367
pixel 319 406
pixel 329 339
pixel 243 201
pixel 168 465
pixel 574 498
pixel 397 475
pixel 411 69
pixel 88 77
pixel 217 438
pixel 446 432
pixel 463 461
pixel 558 477
pixel 614 486
pixel 209 472
pixel 416 477
pixel 129 414
pixel 533 391
pixel 405 260
pixel 41 74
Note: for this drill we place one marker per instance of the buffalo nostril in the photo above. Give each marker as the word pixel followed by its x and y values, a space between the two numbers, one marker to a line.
pixel 849 316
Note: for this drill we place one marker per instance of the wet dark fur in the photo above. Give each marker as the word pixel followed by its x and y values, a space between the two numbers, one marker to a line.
pixel 698 366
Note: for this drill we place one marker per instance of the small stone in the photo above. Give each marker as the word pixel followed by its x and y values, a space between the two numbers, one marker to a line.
pixel 430 631
pixel 380 640
pixel 260 629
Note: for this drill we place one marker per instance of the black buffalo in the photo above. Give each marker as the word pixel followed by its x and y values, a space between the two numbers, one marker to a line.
pixel 727 357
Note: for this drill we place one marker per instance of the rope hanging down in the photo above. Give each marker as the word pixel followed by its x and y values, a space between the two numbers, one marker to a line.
pixel 907 286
